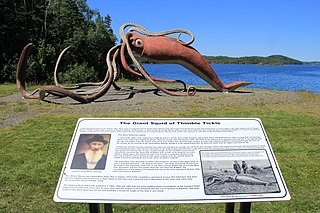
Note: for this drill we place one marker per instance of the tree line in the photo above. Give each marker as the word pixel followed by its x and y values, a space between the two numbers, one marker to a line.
pixel 270 60
pixel 52 25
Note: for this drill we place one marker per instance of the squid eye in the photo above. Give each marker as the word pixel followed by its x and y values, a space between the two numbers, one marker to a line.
pixel 138 43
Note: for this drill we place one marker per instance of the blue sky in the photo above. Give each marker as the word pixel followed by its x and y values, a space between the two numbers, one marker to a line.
pixel 228 27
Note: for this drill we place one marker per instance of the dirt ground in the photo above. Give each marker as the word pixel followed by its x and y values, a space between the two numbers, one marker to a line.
pixel 135 97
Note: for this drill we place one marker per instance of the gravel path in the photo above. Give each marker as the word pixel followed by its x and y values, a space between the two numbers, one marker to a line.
pixel 140 98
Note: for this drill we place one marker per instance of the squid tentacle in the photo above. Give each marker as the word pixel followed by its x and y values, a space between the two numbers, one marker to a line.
pixel 78 85
pixel 43 91
pixel 21 74
pixel 138 28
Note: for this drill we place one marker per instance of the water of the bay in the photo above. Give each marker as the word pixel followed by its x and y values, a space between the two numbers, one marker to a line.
pixel 287 77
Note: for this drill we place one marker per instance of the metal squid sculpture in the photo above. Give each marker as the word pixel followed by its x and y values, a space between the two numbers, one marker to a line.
pixel 157 47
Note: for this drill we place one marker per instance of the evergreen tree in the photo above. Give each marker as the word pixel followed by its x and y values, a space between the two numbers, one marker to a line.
pixel 53 25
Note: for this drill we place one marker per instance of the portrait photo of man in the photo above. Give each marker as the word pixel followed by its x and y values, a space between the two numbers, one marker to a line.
pixel 91 152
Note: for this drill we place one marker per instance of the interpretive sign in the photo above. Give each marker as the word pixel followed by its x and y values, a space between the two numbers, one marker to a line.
pixel 170 161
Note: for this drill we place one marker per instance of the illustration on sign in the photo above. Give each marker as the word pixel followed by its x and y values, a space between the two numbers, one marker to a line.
pixel 223 175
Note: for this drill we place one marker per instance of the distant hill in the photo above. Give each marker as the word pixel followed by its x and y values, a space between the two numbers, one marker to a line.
pixel 312 62
pixel 270 60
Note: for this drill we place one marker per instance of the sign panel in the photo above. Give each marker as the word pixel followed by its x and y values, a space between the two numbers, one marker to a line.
pixel 170 161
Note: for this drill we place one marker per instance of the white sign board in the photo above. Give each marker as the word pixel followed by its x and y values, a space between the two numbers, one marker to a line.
pixel 170 161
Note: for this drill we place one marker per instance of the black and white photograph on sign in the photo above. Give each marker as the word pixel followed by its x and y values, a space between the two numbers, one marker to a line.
pixel 237 172
pixel 91 152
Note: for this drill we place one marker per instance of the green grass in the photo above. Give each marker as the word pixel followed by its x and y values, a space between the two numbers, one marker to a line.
pixel 9 89
pixel 32 154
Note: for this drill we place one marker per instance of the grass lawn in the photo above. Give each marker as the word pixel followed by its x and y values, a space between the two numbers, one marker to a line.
pixel 33 151
pixel 9 88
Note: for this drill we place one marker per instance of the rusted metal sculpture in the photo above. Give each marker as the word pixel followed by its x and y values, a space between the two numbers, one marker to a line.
pixel 156 46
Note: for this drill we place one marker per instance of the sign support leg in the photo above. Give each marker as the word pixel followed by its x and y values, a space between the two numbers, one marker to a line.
pixel 94 208
pixel 107 208
pixel 229 207
pixel 245 207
